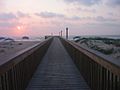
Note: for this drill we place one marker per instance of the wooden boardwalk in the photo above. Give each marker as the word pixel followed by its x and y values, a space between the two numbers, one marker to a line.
pixel 57 71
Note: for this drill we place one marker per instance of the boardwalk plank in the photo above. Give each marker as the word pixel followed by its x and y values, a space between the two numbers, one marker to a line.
pixel 57 71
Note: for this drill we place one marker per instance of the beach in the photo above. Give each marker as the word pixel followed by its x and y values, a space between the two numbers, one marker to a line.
pixel 10 48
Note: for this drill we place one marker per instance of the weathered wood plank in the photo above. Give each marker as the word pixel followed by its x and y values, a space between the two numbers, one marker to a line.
pixel 57 71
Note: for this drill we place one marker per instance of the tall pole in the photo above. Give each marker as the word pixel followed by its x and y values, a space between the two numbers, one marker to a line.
pixel 67 33
pixel 61 33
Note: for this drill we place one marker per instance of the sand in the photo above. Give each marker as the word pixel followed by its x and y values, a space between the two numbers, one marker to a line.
pixel 9 49
pixel 100 44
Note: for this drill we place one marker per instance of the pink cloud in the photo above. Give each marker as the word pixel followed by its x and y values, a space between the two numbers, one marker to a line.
pixel 7 16
pixel 84 2
pixel 49 15
pixel 21 14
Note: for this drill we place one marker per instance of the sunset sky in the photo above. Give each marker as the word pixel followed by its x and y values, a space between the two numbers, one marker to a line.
pixel 43 17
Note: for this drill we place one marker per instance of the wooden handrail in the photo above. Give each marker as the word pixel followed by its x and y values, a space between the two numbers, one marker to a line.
pixel 100 72
pixel 17 70
pixel 101 59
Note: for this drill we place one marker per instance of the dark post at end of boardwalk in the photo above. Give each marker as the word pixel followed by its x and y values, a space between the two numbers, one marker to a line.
pixel 67 33
pixel 61 33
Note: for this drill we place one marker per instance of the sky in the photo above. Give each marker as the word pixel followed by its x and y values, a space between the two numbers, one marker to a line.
pixel 43 17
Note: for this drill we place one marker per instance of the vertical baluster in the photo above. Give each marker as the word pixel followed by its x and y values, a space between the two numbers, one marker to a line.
pixel 0 83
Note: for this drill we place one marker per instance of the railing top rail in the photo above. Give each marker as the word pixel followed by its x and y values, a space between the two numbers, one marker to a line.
pixel 12 60
pixel 109 63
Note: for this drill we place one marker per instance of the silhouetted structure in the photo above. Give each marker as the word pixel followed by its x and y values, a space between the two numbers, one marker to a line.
pixel 61 33
pixel 25 37
pixel 46 37
pixel 67 33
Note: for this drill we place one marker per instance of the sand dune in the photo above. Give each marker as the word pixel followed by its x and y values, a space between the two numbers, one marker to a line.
pixel 109 47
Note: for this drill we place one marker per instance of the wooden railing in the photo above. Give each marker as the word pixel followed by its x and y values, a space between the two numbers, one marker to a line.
pixel 100 73
pixel 18 70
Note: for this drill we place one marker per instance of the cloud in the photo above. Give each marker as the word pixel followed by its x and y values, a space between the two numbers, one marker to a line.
pixel 7 24
pixel 80 10
pixel 12 16
pixel 61 17
pixel 110 14
pixel 21 14
pixel 113 2
pixel 96 19
pixel 10 20
pixel 86 10
pixel 84 2
pixel 7 16
pixel 73 18
pixel 103 19
pixel 49 15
